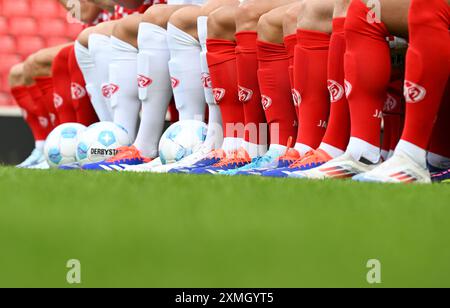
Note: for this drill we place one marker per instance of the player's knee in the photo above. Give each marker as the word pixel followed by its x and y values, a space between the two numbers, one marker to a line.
pixel 38 64
pixel 83 37
pixel 247 16
pixel 292 18
pixel 340 8
pixel 127 28
pixel 16 75
pixel 221 23
pixel 185 19
pixel 269 24
pixel 317 15
pixel 158 15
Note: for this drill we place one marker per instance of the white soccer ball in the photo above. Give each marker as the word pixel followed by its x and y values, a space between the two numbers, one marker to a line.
pixel 61 144
pixel 181 140
pixel 101 141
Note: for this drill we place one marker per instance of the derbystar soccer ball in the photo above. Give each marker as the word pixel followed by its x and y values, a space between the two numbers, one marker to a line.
pixel 100 142
pixel 181 140
pixel 61 144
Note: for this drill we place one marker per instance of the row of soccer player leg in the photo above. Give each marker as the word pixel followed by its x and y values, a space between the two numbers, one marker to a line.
pixel 311 89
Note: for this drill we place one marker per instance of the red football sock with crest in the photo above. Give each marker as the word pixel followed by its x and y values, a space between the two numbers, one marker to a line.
pixel 310 78
pixel 35 116
pixel 367 73
pixel 249 93
pixel 427 68
pixel 276 94
pixel 62 87
pixel 338 131
pixel 45 85
pixel 222 67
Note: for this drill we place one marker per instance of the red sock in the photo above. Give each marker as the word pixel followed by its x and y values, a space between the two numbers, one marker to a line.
pixel 81 102
pixel 310 77
pixel 276 94
pixel 39 125
pixel 222 67
pixel 61 86
pixel 290 42
pixel 249 93
pixel 38 107
pixel 427 68
pixel 393 113
pixel 45 84
pixel 367 72
pixel 338 131
pixel 440 142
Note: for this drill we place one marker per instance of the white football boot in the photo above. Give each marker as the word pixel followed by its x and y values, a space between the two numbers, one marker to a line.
pixel 41 166
pixel 144 167
pixel 343 167
pixel 36 158
pixel 398 169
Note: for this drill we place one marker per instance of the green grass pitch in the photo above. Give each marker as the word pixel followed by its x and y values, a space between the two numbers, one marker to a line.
pixel 141 230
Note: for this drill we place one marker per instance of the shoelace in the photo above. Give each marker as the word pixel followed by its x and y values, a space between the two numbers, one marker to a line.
pixel 310 158
pixel 234 159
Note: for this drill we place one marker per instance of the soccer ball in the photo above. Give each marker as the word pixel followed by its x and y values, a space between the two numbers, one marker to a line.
pixel 61 144
pixel 101 141
pixel 181 140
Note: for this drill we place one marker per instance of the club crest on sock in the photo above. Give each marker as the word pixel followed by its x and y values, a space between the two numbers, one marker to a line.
pixel 390 104
pixel 143 81
pixel 266 102
pixel 245 94
pixel 58 101
pixel 336 90
pixel 297 97
pixel 348 88
pixel 175 82
pixel 414 93
pixel 108 90
pixel 43 122
pixel 219 94
pixel 78 92
pixel 206 80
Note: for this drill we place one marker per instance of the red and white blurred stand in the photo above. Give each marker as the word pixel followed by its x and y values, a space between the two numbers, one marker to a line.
pixel 26 26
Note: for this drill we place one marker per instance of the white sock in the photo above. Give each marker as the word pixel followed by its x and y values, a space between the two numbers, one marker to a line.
pixel 385 155
pixel 93 87
pixel 331 150
pixel 359 148
pixel 280 149
pixel 154 86
pixel 100 50
pixel 254 150
pixel 39 145
pixel 302 148
pixel 214 137
pixel 185 71
pixel 231 144
pixel 123 80
pixel 438 161
pixel 416 153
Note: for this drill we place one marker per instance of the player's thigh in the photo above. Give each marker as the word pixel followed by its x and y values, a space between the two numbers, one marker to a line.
pixel 212 5
pixel 317 15
pixel 127 29
pixel 40 63
pixel 186 19
pixel 292 16
pixel 16 75
pixel 105 28
pixel 222 23
pixel 270 25
pixel 160 14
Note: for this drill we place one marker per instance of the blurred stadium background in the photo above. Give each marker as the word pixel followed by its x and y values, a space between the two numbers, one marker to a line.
pixel 26 26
